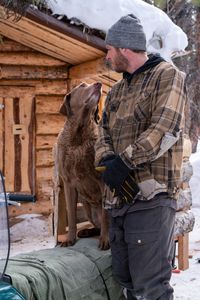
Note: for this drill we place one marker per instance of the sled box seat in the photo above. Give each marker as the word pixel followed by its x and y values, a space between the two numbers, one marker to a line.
pixel 81 272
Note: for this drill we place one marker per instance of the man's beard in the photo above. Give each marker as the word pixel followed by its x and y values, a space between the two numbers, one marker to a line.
pixel 119 64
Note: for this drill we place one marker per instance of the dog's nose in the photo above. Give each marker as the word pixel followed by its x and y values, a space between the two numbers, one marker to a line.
pixel 98 85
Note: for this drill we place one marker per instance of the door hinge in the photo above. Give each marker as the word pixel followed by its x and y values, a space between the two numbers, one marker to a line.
pixel 2 106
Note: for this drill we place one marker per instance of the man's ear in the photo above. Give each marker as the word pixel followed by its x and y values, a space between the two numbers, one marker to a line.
pixel 65 108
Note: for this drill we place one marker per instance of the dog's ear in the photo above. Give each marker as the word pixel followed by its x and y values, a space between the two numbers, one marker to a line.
pixel 65 108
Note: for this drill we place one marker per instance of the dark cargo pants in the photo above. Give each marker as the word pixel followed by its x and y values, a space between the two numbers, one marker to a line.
pixel 142 249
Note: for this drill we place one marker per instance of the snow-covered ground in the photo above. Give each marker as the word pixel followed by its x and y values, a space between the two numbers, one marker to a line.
pixel 32 232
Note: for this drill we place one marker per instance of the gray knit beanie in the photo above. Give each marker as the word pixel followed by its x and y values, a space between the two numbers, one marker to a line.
pixel 128 33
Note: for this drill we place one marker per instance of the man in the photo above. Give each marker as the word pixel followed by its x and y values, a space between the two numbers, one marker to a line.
pixel 140 147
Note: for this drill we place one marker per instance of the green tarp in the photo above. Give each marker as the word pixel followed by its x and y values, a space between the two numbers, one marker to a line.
pixel 81 272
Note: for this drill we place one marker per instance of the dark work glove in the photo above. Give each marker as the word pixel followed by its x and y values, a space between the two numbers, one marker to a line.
pixel 128 190
pixel 115 173
pixel 118 177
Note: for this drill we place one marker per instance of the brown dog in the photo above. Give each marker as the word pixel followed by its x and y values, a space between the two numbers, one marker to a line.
pixel 75 159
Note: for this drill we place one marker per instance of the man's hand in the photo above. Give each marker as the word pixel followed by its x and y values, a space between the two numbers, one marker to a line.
pixel 117 176
pixel 115 173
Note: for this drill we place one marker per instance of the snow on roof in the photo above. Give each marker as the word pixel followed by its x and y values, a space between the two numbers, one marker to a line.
pixel 163 36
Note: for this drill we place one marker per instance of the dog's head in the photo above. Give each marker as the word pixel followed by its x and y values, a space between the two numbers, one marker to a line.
pixel 82 102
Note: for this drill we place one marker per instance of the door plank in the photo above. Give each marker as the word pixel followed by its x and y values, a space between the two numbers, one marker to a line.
pixel 1 132
pixel 9 159
pixel 25 117
pixel 19 139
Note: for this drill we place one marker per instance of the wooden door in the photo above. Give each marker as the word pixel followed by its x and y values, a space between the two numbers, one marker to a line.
pixel 17 136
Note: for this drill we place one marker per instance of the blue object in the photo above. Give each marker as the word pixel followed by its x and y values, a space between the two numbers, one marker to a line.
pixel 8 292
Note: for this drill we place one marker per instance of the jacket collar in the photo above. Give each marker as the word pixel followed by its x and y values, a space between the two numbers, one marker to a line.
pixel 154 60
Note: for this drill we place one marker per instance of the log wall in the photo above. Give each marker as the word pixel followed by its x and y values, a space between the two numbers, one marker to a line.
pixel 32 86
pixel 48 124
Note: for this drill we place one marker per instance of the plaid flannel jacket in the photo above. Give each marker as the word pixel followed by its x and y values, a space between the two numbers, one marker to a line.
pixel 143 122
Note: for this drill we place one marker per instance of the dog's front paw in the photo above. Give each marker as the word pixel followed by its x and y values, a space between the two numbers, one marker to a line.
pixel 70 240
pixel 104 243
pixel 67 243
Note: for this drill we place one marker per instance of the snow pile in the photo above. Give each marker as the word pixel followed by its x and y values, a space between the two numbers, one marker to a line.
pixel 33 232
pixel 34 225
pixel 163 36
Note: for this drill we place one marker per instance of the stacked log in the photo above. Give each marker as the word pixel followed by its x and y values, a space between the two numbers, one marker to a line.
pixel 185 219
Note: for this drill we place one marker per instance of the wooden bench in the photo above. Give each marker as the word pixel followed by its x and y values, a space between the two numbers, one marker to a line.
pixel 184 224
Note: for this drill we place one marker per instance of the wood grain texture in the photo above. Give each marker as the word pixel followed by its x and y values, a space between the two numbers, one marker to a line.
pixel 44 126
pixel 30 59
pixel 8 45
pixel 88 69
pixel 44 157
pixel 18 156
pixel 40 207
pixel 48 41
pixel 45 141
pixel 1 133
pixel 9 167
pixel 48 104
pixel 17 72
pixel 183 251
pixel 27 142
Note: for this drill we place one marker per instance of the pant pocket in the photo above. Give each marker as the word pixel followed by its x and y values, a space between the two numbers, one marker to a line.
pixel 144 253
pixel 141 238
